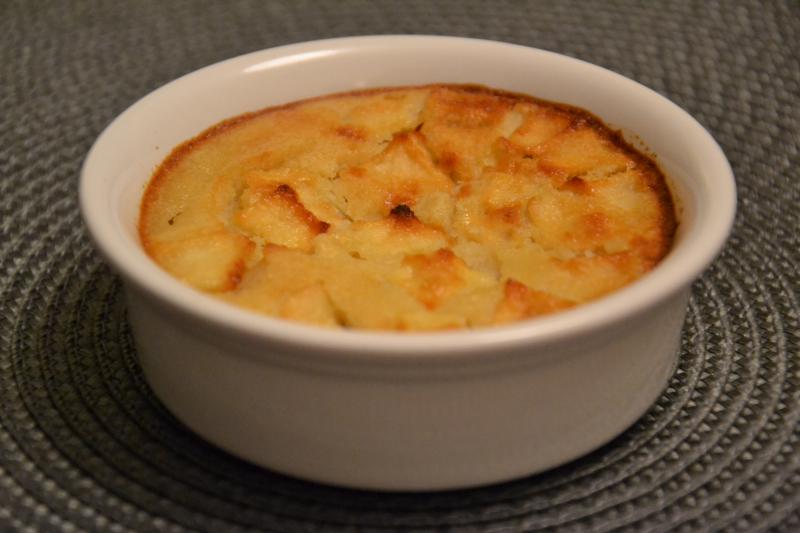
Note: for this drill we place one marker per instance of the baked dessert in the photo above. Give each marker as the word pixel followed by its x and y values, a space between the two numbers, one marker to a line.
pixel 416 208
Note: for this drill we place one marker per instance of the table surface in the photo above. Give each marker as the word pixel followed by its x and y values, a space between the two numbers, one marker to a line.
pixel 85 446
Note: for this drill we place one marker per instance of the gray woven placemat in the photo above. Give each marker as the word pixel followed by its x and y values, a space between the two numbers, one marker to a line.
pixel 85 446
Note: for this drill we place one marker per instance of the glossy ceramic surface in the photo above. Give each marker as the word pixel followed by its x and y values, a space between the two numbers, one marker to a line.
pixel 405 411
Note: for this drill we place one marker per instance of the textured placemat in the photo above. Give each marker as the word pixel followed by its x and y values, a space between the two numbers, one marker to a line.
pixel 85 446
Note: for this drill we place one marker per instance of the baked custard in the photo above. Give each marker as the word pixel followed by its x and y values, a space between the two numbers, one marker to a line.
pixel 413 208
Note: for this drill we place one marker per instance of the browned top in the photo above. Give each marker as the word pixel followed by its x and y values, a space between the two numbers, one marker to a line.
pixel 408 208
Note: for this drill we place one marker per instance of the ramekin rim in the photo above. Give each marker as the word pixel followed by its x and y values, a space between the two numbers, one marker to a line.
pixel 648 291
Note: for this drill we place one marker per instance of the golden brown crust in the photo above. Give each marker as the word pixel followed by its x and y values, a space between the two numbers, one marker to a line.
pixel 520 302
pixel 451 205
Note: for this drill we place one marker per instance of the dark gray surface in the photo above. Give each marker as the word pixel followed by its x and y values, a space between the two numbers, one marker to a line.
pixel 85 446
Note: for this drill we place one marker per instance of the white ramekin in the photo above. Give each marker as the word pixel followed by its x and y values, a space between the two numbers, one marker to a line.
pixel 404 411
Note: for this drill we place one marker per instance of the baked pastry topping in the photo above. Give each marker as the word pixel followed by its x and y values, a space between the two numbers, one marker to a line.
pixel 419 208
